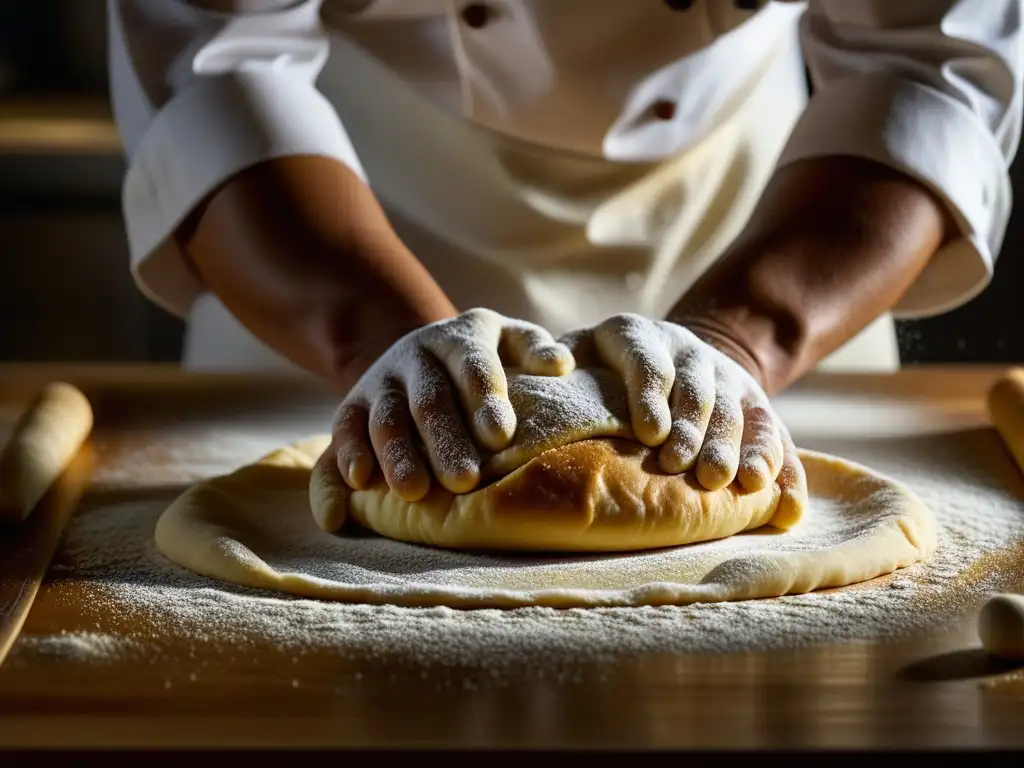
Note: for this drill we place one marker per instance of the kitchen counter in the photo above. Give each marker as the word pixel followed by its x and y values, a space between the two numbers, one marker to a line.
pixel 929 691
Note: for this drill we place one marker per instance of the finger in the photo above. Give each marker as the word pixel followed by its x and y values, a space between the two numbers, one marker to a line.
pixel 391 433
pixel 691 404
pixel 353 452
pixel 480 379
pixel 328 492
pixel 792 482
pixel 632 347
pixel 719 456
pixel 468 349
pixel 454 458
pixel 535 350
pixel 760 448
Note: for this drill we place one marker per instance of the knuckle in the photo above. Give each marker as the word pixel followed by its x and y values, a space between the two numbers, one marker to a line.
pixel 346 416
pixel 719 456
pixel 535 340
pixel 622 323
pixel 480 374
pixel 351 429
pixel 686 433
pixel 387 410
pixel 479 316
pixel 693 388
pixel 751 453
pixel 656 375
pixel 426 404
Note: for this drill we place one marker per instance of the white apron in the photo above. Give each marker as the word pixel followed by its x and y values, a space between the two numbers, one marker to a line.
pixel 558 239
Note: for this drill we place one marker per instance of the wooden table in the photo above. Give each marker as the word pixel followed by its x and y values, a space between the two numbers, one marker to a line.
pixel 924 691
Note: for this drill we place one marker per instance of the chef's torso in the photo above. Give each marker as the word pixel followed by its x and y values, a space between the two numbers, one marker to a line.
pixel 555 160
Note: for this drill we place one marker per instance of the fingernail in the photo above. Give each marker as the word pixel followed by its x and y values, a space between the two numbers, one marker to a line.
pixel 354 476
pixel 496 422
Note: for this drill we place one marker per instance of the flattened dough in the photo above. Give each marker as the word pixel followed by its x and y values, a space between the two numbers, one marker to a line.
pixel 253 528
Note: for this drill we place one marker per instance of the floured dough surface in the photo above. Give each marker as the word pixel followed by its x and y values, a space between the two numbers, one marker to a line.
pixel 253 527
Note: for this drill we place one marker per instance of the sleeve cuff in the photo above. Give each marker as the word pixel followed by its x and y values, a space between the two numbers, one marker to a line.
pixel 938 141
pixel 210 132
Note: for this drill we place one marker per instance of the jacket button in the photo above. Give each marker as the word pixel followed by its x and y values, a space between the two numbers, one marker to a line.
pixel 476 15
pixel 663 109
pixel 679 5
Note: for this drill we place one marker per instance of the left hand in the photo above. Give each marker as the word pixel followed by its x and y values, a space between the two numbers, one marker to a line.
pixel 696 405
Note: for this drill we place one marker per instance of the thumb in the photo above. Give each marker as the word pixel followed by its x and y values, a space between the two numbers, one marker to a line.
pixel 328 492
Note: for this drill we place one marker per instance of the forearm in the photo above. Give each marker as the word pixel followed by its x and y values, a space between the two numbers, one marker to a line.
pixel 301 253
pixel 833 244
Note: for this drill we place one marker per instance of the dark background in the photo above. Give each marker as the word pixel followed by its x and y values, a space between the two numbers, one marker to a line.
pixel 65 289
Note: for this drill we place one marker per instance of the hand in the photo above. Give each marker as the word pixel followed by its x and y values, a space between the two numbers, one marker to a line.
pixel 408 396
pixel 699 407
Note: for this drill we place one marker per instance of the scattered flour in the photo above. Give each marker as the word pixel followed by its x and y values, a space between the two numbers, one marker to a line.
pixel 90 647
pixel 966 479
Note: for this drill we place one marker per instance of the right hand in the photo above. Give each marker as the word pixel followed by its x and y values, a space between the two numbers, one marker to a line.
pixel 409 395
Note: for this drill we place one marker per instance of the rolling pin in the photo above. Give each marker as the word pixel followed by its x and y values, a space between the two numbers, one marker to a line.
pixel 45 440
pixel 1006 412
pixel 45 467
pixel 1001 621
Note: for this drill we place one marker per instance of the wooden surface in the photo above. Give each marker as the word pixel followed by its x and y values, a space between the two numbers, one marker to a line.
pixel 925 691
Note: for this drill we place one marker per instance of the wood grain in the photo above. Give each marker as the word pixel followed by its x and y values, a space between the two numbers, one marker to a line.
pixel 933 691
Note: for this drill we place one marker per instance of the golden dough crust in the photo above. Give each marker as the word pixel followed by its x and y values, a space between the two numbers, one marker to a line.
pixel 601 495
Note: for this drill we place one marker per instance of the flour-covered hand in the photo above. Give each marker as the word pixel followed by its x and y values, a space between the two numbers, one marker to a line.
pixel 411 396
pixel 699 407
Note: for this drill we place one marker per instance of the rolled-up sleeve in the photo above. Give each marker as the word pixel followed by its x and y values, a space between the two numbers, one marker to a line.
pixel 933 89
pixel 202 90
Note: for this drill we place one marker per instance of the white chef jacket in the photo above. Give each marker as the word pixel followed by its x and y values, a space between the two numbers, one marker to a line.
pixel 563 160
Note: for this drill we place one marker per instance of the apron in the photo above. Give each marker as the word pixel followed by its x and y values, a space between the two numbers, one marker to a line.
pixel 560 239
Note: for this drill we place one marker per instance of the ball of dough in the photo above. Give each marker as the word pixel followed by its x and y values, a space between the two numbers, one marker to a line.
pixel 1001 626
pixel 574 480
pixel 600 495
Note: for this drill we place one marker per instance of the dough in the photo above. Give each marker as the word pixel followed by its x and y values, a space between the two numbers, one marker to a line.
pixel 1001 626
pixel 591 496
pixel 46 438
pixel 554 490
pixel 253 527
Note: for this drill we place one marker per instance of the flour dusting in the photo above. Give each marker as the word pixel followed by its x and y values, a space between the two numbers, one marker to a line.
pixel 588 402
pixel 88 647
pixel 965 478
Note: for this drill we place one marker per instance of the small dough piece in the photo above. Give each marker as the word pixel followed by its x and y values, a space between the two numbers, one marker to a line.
pixel 1001 626
pixel 253 528
pixel 45 440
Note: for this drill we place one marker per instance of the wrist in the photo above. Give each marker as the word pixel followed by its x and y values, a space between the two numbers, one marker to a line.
pixel 355 336
pixel 746 346
pixel 833 244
